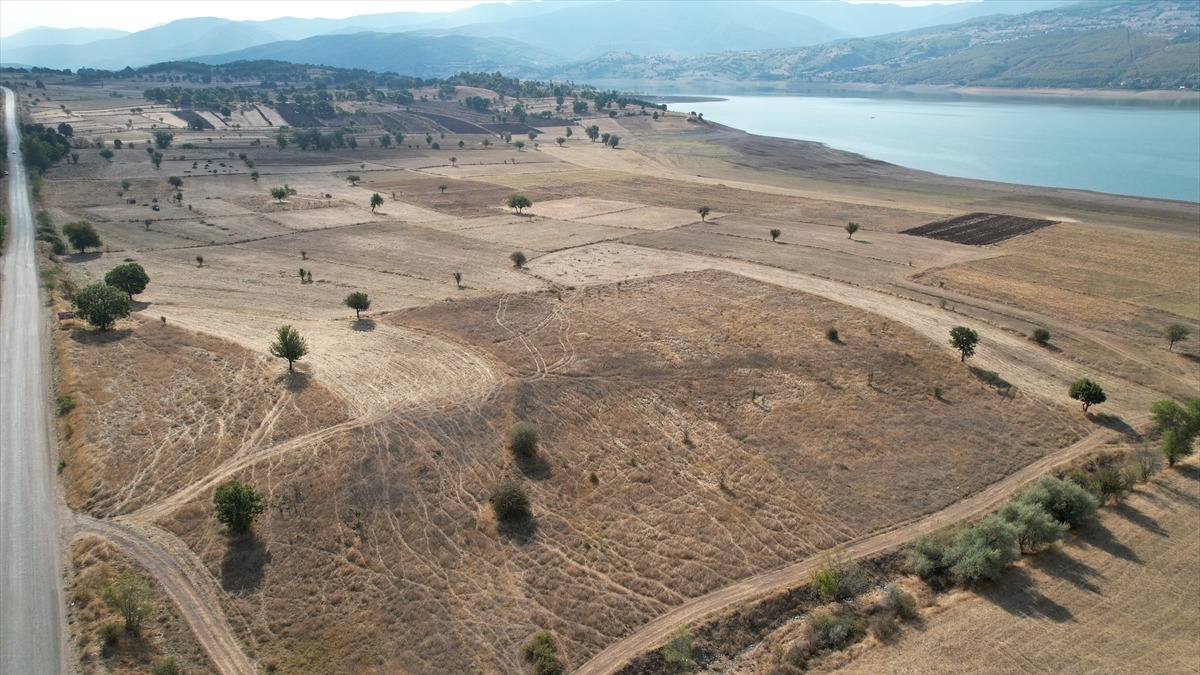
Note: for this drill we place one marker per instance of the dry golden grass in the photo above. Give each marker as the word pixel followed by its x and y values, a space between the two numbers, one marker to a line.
pixel 168 406
pixel 380 540
pixel 164 634
pixel 379 552
pixel 1120 596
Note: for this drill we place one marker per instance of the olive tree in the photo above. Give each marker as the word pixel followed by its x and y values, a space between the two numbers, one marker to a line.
pixel 1175 333
pixel 357 301
pixel 288 345
pixel 101 305
pixel 82 235
pixel 1087 392
pixel 1065 501
pixel 703 211
pixel 518 259
pixel 851 228
pixel 236 505
pixel 130 277
pixel 518 202
pixel 376 201
pixel 964 340
pixel 1179 424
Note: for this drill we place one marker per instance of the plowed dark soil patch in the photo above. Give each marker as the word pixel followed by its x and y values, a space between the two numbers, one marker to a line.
pixel 979 229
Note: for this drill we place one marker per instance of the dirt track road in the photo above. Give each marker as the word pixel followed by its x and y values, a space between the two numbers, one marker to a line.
pixel 31 623
pixel 655 633
pixel 193 590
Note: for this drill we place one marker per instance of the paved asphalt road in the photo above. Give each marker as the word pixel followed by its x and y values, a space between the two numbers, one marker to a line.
pixel 31 616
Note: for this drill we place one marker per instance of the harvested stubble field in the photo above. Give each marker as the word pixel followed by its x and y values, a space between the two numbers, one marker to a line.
pixel 726 434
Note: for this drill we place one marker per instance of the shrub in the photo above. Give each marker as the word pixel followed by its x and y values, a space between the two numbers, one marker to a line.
pixel 109 632
pixel 1140 464
pixel 831 334
pixel 128 595
pixel 1035 528
pixel 900 602
pixel 1041 336
pixel 1109 482
pixel 522 440
pixel 826 631
pixel 540 652
pixel 981 551
pixel 926 556
pixel 1065 501
pixel 66 403
pixel 509 500
pixel 518 259
pixel 167 666
pixel 882 626
pixel 236 505
pixel 678 651
pixel 838 578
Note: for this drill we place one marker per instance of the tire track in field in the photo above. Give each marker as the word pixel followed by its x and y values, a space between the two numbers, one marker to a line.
pixel 656 632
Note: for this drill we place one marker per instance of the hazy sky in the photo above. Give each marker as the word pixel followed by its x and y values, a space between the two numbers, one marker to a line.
pixel 135 15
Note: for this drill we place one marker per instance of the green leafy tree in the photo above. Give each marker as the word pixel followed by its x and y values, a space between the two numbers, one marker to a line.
pixel 357 301
pixel 279 193
pixel 82 235
pixel 454 160
pixel 593 132
pixel 560 140
pixel 1176 332
pixel 926 556
pixel 703 211
pixel 288 345
pixel 129 277
pixel 443 187
pixel 236 505
pixel 1035 527
pixel 157 159
pixel 517 258
pixel 518 202
pixel 106 154
pixel 162 139
pixel 613 140
pixel 376 201
pixel 199 261
pixel 1087 392
pixel 851 228
pixel 101 305
pixel 486 143
pixel 1041 336
pixel 175 182
pixel 509 501
pixel 254 176
pixel 128 595
pixel 540 653
pixel 1065 501
pixel 1179 426
pixel 775 232
pixel 461 144
pixel 520 145
pixel 386 140
pixel 458 279
pixel 353 178
pixel 964 340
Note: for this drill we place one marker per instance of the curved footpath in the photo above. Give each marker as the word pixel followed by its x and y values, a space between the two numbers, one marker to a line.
pixel 654 634
pixel 31 605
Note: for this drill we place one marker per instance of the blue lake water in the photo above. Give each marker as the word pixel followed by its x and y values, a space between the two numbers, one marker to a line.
pixel 1149 151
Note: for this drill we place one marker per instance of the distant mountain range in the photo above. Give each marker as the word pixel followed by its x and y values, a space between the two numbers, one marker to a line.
pixel 1054 43
pixel 569 30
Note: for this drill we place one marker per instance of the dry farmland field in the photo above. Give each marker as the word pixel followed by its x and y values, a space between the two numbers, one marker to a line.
pixel 712 401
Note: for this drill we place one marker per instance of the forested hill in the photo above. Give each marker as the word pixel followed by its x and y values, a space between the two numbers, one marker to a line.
pixel 1129 44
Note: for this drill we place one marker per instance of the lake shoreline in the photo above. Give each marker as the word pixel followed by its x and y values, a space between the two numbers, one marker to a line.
pixel 700 90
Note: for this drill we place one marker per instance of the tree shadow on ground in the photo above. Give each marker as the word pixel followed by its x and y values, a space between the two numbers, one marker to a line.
pixel 1058 563
pixel 294 381
pixel 1093 533
pixel 1112 422
pixel 1189 498
pixel 534 467
pixel 363 325
pixel 100 337
pixel 1133 515
pixel 520 530
pixel 242 566
pixel 82 257
pixel 1018 596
